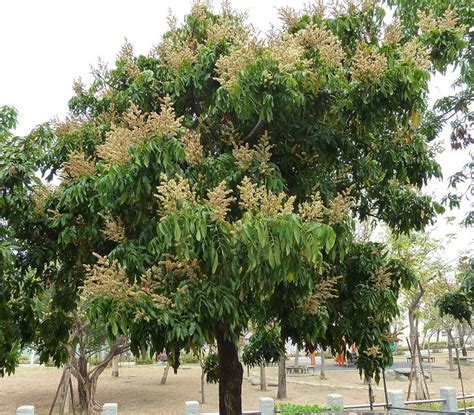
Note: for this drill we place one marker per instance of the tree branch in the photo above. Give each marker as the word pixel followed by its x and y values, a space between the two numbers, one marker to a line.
pixel 116 349
pixel 255 130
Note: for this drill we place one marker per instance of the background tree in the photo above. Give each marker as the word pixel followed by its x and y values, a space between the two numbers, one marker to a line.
pixel 433 320
pixel 217 178
pixel 265 346
pixel 16 297
pixel 423 254
pixel 438 22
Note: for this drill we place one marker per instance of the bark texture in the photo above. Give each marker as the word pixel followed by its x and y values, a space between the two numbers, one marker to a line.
pixel 281 394
pixel 322 374
pixel 230 376
pixel 87 377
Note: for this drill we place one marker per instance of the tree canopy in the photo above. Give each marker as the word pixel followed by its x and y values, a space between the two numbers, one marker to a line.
pixel 215 182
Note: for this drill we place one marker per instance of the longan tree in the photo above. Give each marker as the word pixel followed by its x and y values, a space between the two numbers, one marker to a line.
pixel 215 181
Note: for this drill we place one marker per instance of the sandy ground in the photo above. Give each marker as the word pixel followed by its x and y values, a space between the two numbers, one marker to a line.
pixel 138 389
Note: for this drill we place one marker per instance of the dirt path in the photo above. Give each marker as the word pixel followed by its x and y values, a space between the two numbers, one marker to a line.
pixel 138 389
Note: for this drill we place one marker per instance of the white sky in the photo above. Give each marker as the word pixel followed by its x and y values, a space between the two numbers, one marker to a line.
pixel 46 44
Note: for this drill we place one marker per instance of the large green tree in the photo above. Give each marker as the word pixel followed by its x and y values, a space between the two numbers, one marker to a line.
pixel 214 182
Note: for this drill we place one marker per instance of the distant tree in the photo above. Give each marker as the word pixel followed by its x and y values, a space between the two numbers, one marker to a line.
pixel 456 303
pixel 423 255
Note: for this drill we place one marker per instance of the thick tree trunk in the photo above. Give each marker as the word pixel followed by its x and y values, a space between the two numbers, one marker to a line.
pixel 230 376
pixel 322 374
pixel 115 367
pixel 281 394
pixel 263 378
pixel 83 386
pixel 165 374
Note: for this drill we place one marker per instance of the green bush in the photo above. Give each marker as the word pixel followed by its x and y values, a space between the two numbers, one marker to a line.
pixel 145 361
pixel 211 368
pixel 94 361
pixel 437 406
pixel 289 408
pixel 189 358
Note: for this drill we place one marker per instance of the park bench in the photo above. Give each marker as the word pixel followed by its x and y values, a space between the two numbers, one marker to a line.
pixel 424 357
pixel 463 360
pixel 298 369
pixel 405 373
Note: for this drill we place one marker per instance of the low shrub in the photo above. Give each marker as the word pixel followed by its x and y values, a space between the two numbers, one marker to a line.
pixel 189 358
pixel 145 361
pixel 289 408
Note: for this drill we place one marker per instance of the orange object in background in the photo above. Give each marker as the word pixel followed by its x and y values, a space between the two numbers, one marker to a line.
pixel 341 359
pixel 313 359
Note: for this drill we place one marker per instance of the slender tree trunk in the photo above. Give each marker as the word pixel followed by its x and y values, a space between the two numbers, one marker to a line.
pixel 263 378
pixel 297 356
pixel 322 374
pixel 423 342
pixel 450 351
pixel 457 357
pixel 203 381
pixel 416 364
pixel 230 376
pixel 115 367
pixel 429 357
pixel 165 374
pixel 281 394
pixel 462 344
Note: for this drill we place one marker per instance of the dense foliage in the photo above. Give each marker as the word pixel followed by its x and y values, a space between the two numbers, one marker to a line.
pixel 287 408
pixel 448 48
pixel 458 303
pixel 215 181
pixel 455 304
pixel 264 347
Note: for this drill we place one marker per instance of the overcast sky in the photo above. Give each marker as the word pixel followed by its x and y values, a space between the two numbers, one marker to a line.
pixel 46 44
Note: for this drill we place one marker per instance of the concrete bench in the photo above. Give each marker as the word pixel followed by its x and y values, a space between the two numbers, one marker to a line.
pixel 405 373
pixel 463 360
pixel 298 369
